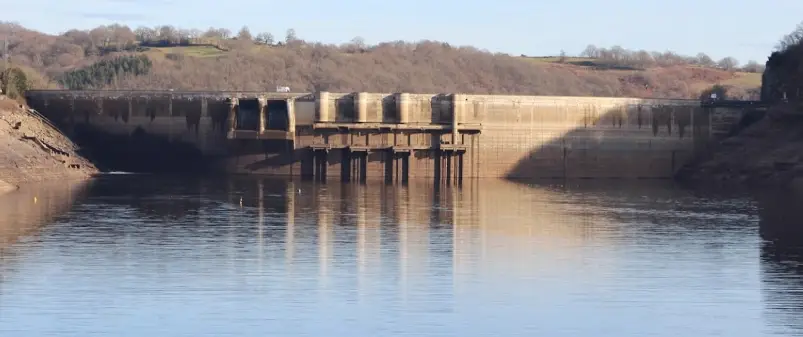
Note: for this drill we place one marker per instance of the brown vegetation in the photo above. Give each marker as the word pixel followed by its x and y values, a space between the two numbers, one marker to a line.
pixel 219 60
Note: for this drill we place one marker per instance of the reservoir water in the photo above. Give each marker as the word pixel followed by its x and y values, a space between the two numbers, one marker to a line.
pixel 132 255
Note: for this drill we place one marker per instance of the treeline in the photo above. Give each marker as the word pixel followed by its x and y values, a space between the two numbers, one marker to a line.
pixel 104 57
pixel 106 72
pixel 617 55
pixel 784 76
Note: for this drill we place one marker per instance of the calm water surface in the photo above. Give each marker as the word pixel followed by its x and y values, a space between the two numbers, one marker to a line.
pixel 158 256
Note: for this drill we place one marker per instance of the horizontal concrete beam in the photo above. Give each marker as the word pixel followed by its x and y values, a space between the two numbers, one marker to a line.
pixel 310 95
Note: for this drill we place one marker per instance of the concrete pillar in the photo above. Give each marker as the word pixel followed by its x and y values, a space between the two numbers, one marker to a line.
pixel 361 107
pixel 322 108
pixel 291 115
pixel 233 102
pixel 403 107
pixel 458 105
pixel 263 122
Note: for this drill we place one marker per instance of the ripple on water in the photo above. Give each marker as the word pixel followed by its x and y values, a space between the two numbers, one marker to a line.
pixel 243 256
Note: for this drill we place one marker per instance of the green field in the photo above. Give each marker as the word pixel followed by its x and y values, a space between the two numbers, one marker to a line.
pixel 193 51
pixel 556 59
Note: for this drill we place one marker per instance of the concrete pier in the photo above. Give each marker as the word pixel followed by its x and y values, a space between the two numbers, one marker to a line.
pixel 389 136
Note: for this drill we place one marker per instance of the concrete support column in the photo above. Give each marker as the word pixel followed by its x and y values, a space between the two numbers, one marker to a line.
pixel 361 107
pixel 403 107
pixel 233 103
pixel 291 115
pixel 263 122
pixel 458 104
pixel 322 114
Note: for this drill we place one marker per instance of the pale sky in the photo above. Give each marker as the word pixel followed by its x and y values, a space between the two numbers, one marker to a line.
pixel 739 28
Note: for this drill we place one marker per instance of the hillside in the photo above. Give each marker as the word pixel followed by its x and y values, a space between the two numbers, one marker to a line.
pixel 186 60
pixel 34 151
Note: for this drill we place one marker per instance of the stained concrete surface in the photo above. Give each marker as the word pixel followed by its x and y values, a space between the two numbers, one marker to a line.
pixel 504 136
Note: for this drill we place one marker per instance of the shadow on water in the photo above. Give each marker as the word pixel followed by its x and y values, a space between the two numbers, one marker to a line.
pixel 781 229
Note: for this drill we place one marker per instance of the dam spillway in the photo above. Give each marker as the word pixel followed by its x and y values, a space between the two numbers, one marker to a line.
pixel 390 136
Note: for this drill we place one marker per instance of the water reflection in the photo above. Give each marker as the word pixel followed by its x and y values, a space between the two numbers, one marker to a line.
pixel 26 210
pixel 781 227
pixel 249 256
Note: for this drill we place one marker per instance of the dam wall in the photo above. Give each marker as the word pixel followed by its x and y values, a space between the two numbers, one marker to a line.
pixel 391 136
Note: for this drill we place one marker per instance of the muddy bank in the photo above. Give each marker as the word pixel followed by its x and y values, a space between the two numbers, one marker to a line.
pixel 31 150
pixel 768 153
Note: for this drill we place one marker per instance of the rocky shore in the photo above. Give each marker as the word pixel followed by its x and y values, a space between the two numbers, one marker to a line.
pixel 767 154
pixel 31 150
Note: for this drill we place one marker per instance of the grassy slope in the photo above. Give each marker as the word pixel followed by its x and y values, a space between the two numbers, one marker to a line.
pixel 739 80
pixel 698 80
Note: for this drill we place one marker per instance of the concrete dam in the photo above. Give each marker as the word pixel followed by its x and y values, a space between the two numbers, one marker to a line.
pixel 390 136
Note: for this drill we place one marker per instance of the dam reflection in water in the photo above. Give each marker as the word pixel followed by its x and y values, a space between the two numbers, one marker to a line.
pixel 138 255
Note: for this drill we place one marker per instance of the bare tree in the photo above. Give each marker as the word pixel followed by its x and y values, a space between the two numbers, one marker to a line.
pixel 791 39
pixel 591 51
pixel 264 38
pixel 244 34
pixel 290 36
pixel 704 60
pixel 358 42
pixel 753 67
pixel 145 34
pixel 728 63
pixel 169 35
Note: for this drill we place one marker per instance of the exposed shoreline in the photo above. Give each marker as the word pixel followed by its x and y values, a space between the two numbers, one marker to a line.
pixel 32 150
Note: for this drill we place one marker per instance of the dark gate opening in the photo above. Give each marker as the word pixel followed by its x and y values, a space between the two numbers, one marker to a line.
pixel 277 115
pixel 248 115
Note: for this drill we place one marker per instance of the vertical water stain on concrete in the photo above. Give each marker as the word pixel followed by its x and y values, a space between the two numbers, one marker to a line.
pixel 661 115
pixel 219 112
pixel 191 110
pixel 682 119
pixel 639 111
